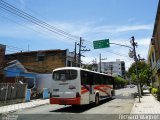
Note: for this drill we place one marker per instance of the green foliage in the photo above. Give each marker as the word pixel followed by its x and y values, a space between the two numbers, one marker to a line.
pixel 120 82
pixel 87 66
pixel 154 91
pixel 133 78
pixel 143 72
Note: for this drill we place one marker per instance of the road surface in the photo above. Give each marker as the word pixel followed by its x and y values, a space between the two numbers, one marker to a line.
pixel 107 110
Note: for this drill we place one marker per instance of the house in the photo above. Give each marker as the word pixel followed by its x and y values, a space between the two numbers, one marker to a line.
pixel 16 73
pixel 43 61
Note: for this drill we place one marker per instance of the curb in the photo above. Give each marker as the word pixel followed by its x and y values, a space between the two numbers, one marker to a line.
pixel 12 111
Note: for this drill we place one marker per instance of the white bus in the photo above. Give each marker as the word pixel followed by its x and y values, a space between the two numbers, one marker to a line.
pixel 77 86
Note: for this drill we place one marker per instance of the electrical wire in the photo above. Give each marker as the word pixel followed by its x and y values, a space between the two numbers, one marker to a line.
pixel 34 20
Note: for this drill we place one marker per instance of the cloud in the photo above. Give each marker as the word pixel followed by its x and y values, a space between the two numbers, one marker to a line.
pixel 134 28
pixel 120 28
pixel 144 41
pixel 88 30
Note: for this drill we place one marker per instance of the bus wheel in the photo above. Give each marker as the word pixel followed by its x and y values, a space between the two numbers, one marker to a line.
pixel 97 99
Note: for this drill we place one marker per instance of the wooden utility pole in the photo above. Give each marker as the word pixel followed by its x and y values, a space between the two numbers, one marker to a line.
pixel 80 50
pixel 75 55
pixel 100 63
pixel 134 44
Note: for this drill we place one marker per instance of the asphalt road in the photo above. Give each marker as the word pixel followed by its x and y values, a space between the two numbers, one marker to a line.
pixel 106 110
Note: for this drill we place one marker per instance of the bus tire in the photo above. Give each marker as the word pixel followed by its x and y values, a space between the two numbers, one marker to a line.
pixel 97 99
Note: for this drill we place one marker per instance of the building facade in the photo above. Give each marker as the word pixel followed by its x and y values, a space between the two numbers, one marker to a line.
pixel 43 61
pixel 153 65
pixel 154 51
pixel 114 68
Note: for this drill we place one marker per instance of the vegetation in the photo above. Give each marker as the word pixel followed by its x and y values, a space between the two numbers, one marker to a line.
pixel 143 73
pixel 87 66
pixel 153 90
pixel 120 82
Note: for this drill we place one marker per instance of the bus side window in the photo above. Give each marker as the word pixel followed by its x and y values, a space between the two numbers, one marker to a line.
pixel 84 78
pixel 106 80
pixel 110 81
pixel 90 78
pixel 101 79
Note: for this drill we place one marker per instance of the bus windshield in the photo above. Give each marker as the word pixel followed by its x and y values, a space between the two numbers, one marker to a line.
pixel 65 75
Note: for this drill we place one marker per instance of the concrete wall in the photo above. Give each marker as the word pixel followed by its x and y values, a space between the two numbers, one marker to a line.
pixel 43 81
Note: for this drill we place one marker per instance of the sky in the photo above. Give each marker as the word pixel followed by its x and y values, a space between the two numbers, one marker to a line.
pixel 116 20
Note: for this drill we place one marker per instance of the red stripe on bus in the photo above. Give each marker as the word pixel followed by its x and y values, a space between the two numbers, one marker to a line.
pixel 65 101
pixel 105 86
pixel 100 88
pixel 84 91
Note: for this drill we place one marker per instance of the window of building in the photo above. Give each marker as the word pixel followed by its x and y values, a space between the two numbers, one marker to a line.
pixel 69 63
pixel 40 57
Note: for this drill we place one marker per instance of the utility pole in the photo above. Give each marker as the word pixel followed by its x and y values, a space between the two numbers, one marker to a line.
pixel 139 58
pixel 80 44
pixel 75 54
pixel 134 44
pixel 100 63
pixel 79 54
pixel 111 68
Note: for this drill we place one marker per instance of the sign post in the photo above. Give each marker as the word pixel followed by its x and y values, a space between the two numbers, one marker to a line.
pixel 101 44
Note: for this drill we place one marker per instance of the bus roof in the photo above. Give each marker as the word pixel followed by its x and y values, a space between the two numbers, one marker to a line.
pixel 77 68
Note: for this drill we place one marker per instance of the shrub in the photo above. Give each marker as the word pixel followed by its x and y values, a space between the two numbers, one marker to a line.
pixel 154 91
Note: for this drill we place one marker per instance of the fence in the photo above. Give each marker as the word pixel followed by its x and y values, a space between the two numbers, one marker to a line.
pixel 12 92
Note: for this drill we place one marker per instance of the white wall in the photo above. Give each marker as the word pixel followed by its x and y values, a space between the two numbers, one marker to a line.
pixel 43 81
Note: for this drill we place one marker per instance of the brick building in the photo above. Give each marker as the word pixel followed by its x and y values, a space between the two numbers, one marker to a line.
pixel 43 61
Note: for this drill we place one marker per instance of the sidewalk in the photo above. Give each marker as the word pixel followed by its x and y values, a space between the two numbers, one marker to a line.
pixel 14 107
pixel 148 105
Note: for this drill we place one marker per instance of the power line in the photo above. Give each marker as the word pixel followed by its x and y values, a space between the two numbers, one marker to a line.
pixel 34 20
pixel 40 32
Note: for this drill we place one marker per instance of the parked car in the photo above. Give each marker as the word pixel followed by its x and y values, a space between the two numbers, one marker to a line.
pixel 130 86
pixel 145 87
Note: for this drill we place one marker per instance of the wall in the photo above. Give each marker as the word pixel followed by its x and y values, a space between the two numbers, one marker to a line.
pixel 12 93
pixel 43 81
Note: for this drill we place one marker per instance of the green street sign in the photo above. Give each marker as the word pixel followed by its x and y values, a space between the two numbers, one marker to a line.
pixel 101 44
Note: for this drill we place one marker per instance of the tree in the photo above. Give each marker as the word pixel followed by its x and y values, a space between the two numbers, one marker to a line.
pixel 87 66
pixel 120 82
pixel 143 70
